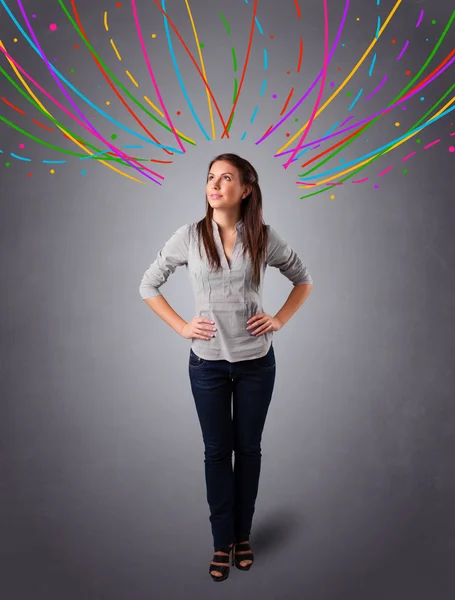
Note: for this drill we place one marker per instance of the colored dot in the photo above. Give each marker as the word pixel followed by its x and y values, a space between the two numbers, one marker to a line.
pixel 332 83
pixel 397 124
pixel 33 16
pixel 358 19
pixel 71 70
pixel 274 96
pixel 118 5
pixel 178 112
pixel 422 97
pixel 153 35
pixel 433 22
pixel 29 174
pixel 339 69
pixel 113 136
pixel 408 72
pixel 201 45
pixel 107 102
pixel 271 37
pixel 332 197
pixel 426 39
pixel 348 93
pixel 288 72
pixel 15 40
pixel 76 46
pixel 21 145
pixel 288 134
pixel 83 172
pixel 394 41
pixel 403 108
pixel 405 171
pixel 451 148
pixel 52 171
pixel 52 26
pixel 342 44
pixel 55 59
pixel 376 187
pixel 418 141
pixel 7 164
pixel 296 120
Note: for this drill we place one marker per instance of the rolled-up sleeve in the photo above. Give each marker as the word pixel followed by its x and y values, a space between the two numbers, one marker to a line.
pixel 284 258
pixel 173 254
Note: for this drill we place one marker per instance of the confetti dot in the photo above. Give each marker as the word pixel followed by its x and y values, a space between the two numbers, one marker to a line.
pixel 71 70
pixel 451 148
pixel 118 5
pixel 33 16
pixel 433 22
pixel 408 72
pixel 376 187
pixel 288 72
pixel 107 102
pixel 153 35
pixel 418 141
pixel 178 112
pixel 271 37
pixel 52 26
pixel 342 44
pixel 332 83
pixel 422 97
pixel 29 174
pixel 348 93
pixel 76 46
pixel 332 197
pixel 201 45
pixel 15 40
pixel 405 171
pixel 394 41
pixel 83 172
pixel 288 134
pixel 274 96
pixel 52 171
pixel 296 120
pixel 7 164
pixel 339 69
pixel 358 19
pixel 21 145
pixel 397 124
pixel 113 136
pixel 403 108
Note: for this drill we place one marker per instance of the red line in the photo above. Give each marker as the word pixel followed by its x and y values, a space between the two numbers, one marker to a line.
pixel 12 106
pixel 43 126
pixel 250 41
pixel 195 63
pixel 164 162
pixel 300 56
pixel 287 101
pixel 112 86
pixel 296 2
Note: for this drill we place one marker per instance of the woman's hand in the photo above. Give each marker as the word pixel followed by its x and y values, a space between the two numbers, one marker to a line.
pixel 262 323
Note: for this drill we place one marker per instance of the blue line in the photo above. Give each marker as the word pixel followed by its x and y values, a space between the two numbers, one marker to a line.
pixel 378 27
pixel 76 91
pixel 243 136
pixel 358 96
pixel 263 87
pixel 20 157
pixel 54 162
pixel 254 113
pixel 266 59
pixel 365 156
pixel 372 65
pixel 259 26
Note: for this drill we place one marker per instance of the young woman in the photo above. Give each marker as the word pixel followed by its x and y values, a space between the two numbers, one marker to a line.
pixel 226 254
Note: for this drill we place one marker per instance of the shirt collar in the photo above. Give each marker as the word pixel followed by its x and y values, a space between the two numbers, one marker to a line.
pixel 238 226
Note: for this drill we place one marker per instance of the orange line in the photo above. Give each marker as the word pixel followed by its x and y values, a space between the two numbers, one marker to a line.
pixel 300 55
pixel 244 68
pixel 287 101
pixel 112 86
pixel 296 2
pixel 12 106
pixel 195 63
pixel 43 126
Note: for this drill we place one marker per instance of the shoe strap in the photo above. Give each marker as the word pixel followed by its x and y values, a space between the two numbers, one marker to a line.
pixel 220 558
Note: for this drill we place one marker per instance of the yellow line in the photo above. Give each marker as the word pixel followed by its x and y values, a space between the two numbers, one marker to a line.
pixel 188 139
pixel 115 49
pixel 62 130
pixel 105 21
pixel 338 175
pixel 203 69
pixel 131 77
pixel 348 78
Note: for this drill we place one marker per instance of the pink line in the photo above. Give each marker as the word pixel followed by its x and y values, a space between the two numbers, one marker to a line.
pixel 321 88
pixel 408 156
pixel 404 48
pixel 452 134
pixel 431 144
pixel 377 89
pixel 420 18
pixel 360 180
pixel 149 67
pixel 385 171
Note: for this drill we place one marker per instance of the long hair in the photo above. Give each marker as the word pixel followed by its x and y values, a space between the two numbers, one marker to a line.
pixel 254 228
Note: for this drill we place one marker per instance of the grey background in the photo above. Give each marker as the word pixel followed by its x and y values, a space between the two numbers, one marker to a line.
pixel 102 486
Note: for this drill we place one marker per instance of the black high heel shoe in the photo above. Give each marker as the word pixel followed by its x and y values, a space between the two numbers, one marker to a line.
pixel 240 547
pixel 221 558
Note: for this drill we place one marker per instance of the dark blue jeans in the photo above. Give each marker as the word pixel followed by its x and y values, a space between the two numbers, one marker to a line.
pixel 231 493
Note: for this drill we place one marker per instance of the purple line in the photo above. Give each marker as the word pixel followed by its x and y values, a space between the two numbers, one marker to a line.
pixel 420 18
pixel 377 89
pixel 345 121
pixel 98 135
pixel 404 48
pixel 295 107
pixel 386 110
pixel 431 144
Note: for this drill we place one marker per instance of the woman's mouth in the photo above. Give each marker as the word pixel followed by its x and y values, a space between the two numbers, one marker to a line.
pixel 215 196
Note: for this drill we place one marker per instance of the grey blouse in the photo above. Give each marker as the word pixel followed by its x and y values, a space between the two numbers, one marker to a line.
pixel 226 296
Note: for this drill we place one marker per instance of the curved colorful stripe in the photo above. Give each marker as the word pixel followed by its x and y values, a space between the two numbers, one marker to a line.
pixel 308 92
pixel 21 157
pixel 422 12
pixel 321 88
pixel 76 91
pixel 152 74
pixel 225 132
pixel 98 61
pixel 351 74
pixel 191 57
pixel 370 72
pixel 356 99
pixel 377 89
pixel 404 50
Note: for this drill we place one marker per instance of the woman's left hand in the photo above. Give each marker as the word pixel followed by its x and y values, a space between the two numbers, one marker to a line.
pixel 262 323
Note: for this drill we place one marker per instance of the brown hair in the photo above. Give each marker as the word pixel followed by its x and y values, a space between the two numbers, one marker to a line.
pixel 254 228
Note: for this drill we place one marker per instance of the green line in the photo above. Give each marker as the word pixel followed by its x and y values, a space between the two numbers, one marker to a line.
pixel 225 22
pixel 235 89
pixel 234 59
pixel 57 123
pixel 378 117
pixel 106 68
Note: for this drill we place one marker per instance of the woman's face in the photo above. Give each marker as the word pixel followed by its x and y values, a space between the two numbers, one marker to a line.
pixel 224 189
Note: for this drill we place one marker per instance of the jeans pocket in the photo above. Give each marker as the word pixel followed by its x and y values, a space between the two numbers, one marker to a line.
pixel 266 362
pixel 195 361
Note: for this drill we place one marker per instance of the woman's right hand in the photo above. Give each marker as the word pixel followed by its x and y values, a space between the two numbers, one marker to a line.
pixel 199 327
